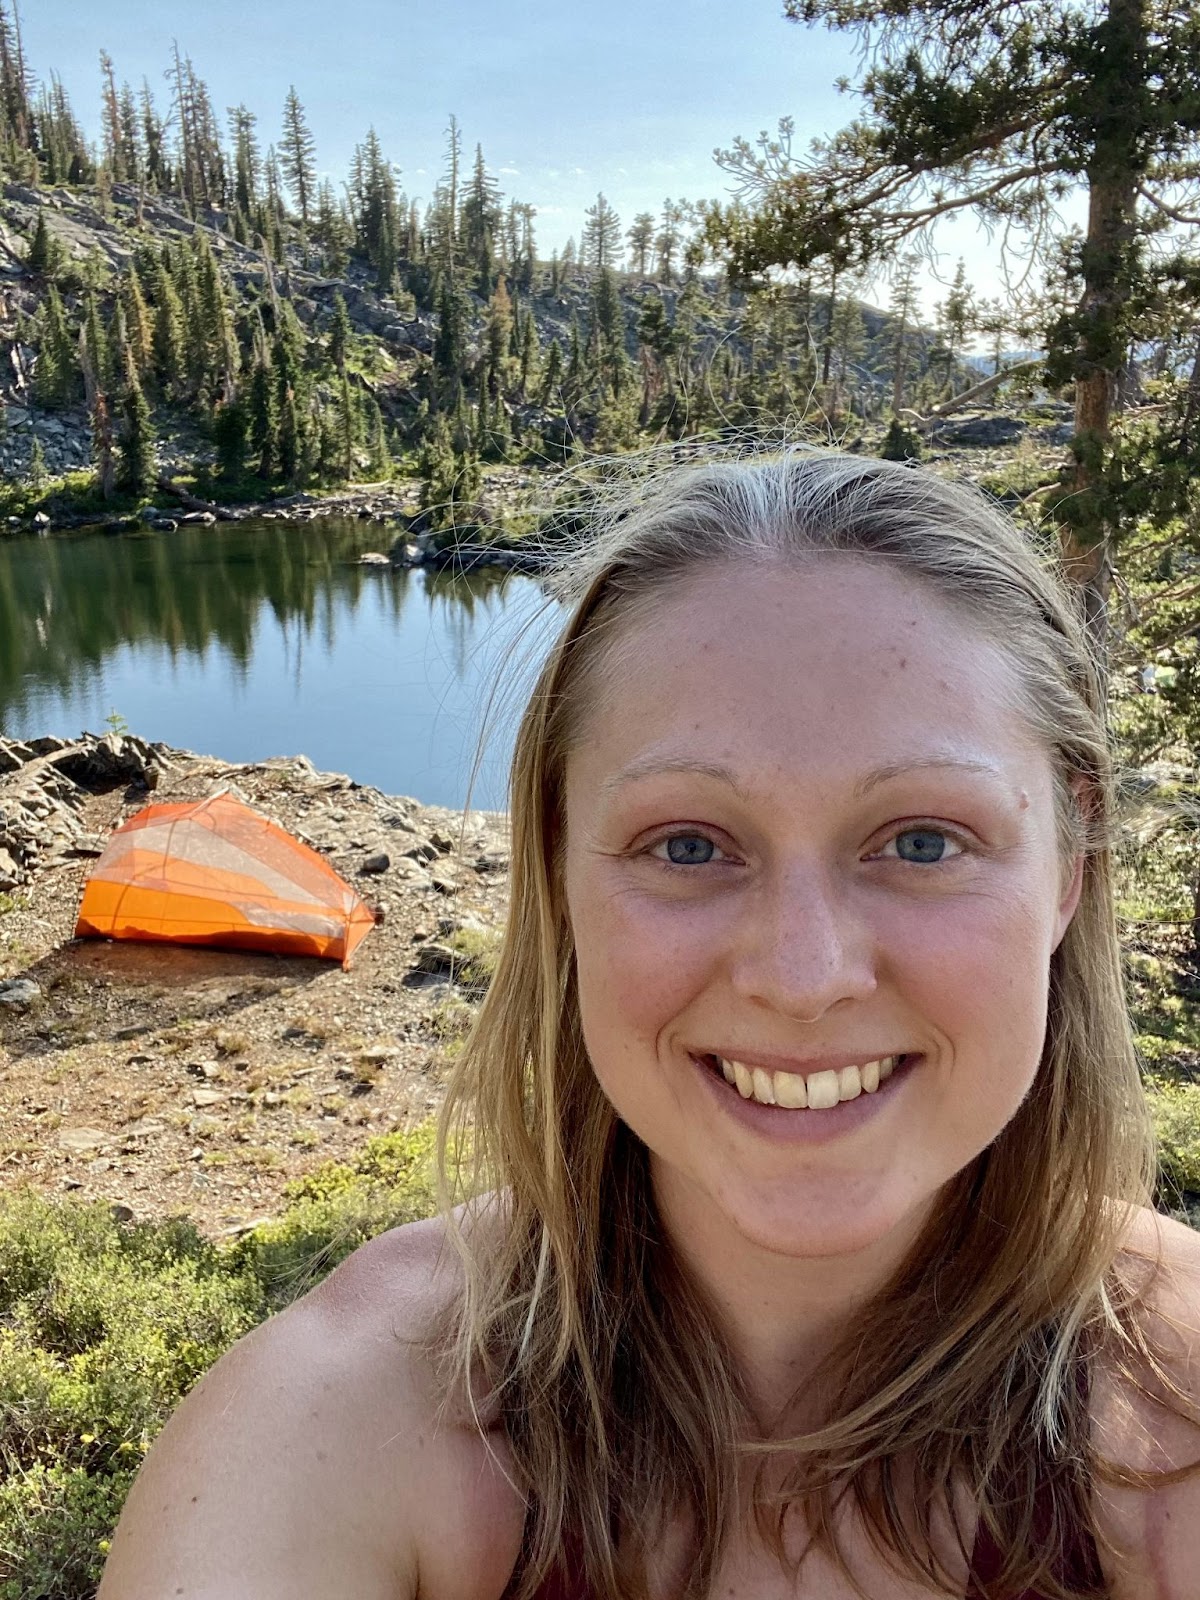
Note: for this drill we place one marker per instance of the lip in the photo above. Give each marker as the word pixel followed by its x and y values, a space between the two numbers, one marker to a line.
pixel 781 1125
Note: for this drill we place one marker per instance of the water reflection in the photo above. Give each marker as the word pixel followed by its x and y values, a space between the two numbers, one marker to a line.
pixel 253 639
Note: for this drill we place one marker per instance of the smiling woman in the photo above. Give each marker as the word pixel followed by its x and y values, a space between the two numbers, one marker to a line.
pixel 816 1261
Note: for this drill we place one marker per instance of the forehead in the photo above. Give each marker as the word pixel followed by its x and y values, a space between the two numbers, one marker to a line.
pixel 836 662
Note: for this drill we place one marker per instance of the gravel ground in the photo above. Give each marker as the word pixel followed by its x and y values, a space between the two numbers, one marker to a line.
pixel 175 1080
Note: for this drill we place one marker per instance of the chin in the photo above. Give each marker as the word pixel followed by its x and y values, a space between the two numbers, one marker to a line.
pixel 812 1226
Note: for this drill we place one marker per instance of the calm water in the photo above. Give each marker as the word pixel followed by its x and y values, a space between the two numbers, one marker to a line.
pixel 254 639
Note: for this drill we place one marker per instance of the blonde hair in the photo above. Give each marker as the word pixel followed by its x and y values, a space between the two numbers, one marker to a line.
pixel 600 1356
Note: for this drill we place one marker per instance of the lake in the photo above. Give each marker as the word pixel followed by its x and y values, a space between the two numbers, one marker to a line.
pixel 252 639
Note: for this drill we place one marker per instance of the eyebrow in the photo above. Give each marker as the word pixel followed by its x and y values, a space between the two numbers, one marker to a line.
pixel 898 769
pixel 655 766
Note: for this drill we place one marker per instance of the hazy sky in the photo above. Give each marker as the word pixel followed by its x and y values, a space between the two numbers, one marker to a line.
pixel 630 98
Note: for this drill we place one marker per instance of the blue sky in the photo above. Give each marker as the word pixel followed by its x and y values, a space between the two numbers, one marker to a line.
pixel 630 97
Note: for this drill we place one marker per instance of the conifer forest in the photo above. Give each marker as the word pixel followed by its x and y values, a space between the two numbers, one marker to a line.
pixel 196 321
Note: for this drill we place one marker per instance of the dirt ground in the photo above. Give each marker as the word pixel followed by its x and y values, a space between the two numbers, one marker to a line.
pixel 175 1080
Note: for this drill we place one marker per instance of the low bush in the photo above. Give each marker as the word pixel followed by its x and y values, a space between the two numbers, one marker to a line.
pixel 106 1325
pixel 1176 1111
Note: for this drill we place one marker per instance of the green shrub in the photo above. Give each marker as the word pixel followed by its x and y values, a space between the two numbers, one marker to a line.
pixel 900 443
pixel 337 1208
pixel 1176 1111
pixel 105 1326
pixel 55 1526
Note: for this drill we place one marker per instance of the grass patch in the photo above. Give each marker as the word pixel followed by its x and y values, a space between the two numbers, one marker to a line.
pixel 477 950
pixel 105 1326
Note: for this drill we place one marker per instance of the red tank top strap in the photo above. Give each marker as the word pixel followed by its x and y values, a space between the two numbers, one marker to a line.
pixel 1078 1564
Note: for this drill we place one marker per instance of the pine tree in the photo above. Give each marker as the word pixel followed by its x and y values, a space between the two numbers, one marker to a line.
pixel 608 329
pixel 247 159
pixel 669 240
pixel 136 464
pixel 450 343
pixel 460 424
pixel 169 353
pixel 264 420
pixel 91 344
pixel 601 245
pixel 332 231
pixel 552 374
pixel 230 429
pixel 16 113
pixel 498 338
pixel 347 430
pixel 153 139
pixel 139 327
pixel 291 433
pixel 297 157
pixel 530 357
pixel 46 252
pixel 903 300
pixel 380 457
pixel 1005 112
pixel 956 312
pixel 114 149
pixel 36 470
pixel 641 241
pixel 479 223
pixel 217 346
pixel 95 344
pixel 57 375
pixel 656 344
pixel 339 334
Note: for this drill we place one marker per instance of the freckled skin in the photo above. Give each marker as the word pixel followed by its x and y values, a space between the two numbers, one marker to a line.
pixel 802 941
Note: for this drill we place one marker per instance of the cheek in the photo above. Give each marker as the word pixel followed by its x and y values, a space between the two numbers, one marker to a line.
pixel 639 960
pixel 980 971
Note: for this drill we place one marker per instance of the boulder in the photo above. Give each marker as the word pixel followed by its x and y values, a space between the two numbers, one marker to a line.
pixel 979 432
pixel 10 873
pixel 19 994
pixel 14 754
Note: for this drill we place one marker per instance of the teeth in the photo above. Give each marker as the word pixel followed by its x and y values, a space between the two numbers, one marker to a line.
pixel 818 1092
pixel 791 1090
pixel 822 1090
pixel 764 1086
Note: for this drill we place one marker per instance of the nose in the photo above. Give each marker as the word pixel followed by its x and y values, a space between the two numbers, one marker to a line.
pixel 804 945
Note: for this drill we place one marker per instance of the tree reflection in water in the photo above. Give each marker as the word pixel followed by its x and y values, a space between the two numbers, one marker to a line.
pixel 257 637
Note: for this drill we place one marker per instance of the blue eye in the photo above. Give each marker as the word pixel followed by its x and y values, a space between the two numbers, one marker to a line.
pixel 689 849
pixel 921 846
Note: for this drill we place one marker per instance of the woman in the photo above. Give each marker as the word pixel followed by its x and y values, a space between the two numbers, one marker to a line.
pixel 817 1260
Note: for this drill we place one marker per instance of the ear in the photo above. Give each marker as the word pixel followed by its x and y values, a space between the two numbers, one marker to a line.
pixel 1070 900
pixel 1073 887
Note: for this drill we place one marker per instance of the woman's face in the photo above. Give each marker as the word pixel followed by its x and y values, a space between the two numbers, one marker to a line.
pixel 807 832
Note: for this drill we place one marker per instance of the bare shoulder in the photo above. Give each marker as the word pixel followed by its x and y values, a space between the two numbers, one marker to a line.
pixel 314 1461
pixel 1150 1426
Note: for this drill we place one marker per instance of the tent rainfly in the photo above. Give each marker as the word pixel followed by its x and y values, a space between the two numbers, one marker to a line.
pixel 216 872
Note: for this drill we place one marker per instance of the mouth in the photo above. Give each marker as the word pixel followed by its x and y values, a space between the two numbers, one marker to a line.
pixel 814 1091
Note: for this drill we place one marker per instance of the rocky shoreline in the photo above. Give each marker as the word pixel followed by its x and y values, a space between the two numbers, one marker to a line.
pixel 412 545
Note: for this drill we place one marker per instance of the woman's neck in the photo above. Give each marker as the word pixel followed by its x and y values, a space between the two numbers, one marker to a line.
pixel 781 1315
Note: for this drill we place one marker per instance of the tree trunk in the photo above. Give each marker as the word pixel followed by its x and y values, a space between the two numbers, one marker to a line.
pixel 1114 170
pixel 1191 415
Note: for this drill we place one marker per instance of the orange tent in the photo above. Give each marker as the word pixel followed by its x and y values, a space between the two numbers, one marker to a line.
pixel 215 872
